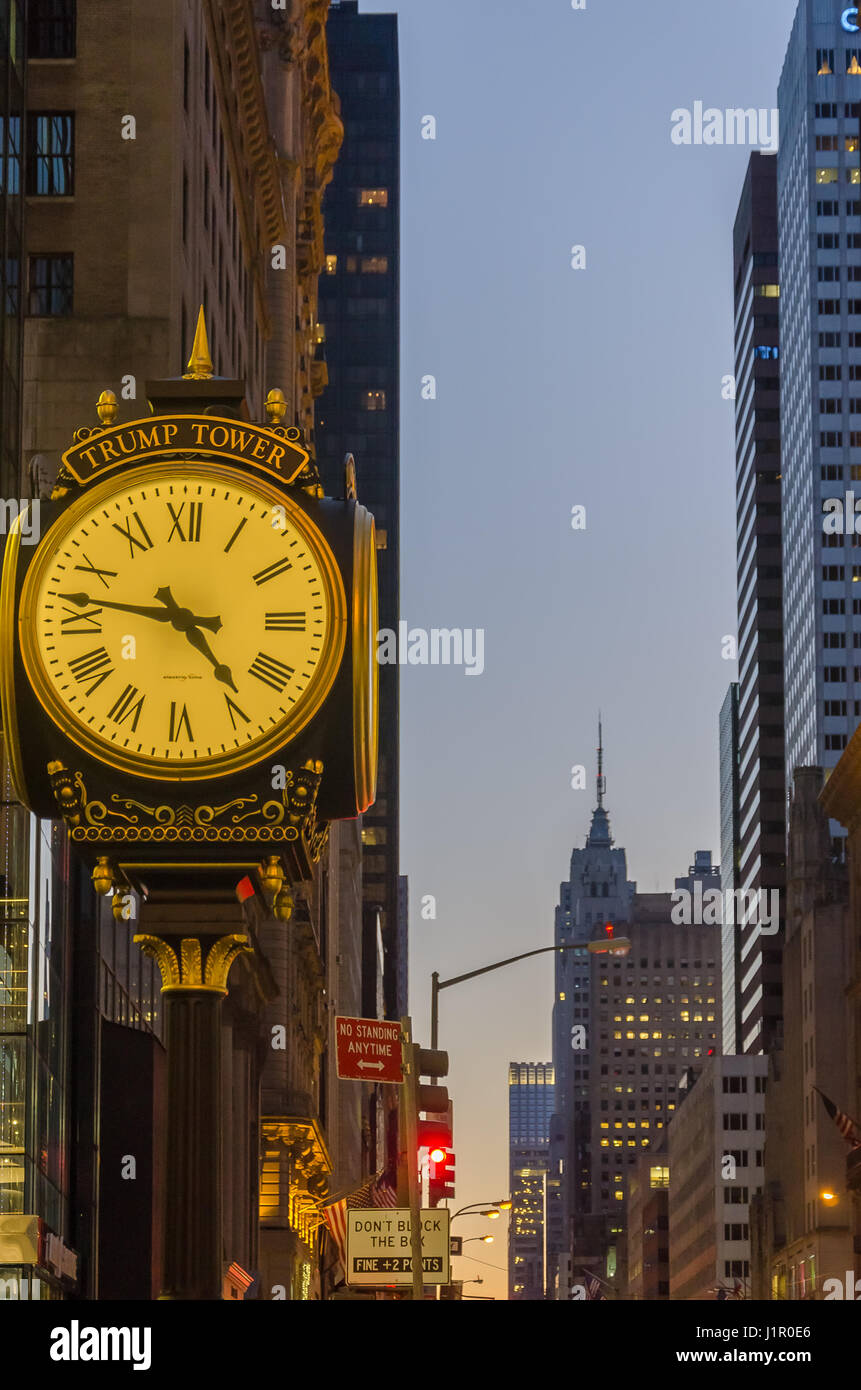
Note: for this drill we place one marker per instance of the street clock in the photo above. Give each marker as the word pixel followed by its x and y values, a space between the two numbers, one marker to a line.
pixel 189 654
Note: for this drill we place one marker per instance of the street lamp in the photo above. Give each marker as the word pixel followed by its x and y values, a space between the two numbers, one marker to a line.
pixel 485 1240
pixel 607 945
pixel 503 1205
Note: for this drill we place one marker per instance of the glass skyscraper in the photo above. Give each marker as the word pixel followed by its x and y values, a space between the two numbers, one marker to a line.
pixel 530 1108
pixel 819 236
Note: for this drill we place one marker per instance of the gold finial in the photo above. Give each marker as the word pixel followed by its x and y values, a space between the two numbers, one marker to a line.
pixel 103 875
pixel 107 407
pixel 276 406
pixel 200 362
pixel 272 875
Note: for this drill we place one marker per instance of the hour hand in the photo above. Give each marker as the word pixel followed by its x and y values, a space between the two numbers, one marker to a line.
pixel 183 618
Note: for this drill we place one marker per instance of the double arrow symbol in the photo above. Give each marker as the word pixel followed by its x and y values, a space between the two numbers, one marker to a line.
pixel 376 1066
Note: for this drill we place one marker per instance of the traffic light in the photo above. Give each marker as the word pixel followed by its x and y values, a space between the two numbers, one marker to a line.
pixel 441 1179
pixel 434 1130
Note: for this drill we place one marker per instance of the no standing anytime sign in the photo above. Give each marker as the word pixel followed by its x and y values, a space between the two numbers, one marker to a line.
pixel 369 1049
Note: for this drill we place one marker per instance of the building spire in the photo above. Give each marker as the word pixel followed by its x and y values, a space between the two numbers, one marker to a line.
pixel 602 785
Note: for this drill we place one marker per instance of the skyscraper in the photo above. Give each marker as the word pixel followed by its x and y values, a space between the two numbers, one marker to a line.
pixel 359 337
pixel 597 892
pixel 819 247
pixel 530 1106
pixel 761 777
pixel 730 854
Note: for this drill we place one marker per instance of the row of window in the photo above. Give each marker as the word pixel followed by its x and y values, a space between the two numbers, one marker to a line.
pixel 828 272
pixel 830 207
pixel 829 110
pixel 837 674
pixel 837 606
pixel 849 61
pixel 738 1120
pixel 359 265
pixel 851 143
pixel 833 439
pixel 833 338
pixel 737 1085
pixel 830 174
pixel 833 371
pixel 833 306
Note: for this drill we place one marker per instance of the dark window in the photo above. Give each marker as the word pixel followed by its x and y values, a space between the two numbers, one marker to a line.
pixel 10 155
pixel 51 29
pixel 50 153
pixel 51 279
pixel 12 285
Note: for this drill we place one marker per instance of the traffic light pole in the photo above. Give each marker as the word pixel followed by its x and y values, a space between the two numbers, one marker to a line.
pixel 437 984
pixel 409 1109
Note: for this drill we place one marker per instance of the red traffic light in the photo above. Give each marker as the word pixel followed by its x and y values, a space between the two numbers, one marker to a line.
pixel 441 1179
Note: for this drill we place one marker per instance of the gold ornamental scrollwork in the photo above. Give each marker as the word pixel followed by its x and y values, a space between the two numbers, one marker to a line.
pixel 121 819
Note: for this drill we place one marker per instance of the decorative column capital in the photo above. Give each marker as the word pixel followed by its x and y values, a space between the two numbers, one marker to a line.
pixel 187 971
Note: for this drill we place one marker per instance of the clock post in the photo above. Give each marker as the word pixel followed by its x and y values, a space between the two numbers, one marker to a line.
pixel 193 644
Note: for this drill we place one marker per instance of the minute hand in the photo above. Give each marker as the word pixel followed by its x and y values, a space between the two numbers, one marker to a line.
pixel 161 615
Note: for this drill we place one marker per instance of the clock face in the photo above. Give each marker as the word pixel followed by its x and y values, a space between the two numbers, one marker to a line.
pixel 182 621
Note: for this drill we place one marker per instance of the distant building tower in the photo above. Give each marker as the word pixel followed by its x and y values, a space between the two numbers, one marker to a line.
pixel 358 352
pixel 819 208
pixel 596 893
pixel 729 858
pixel 761 864
pixel 530 1106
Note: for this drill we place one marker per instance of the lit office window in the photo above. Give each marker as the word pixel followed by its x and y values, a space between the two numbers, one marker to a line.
pixel 853 144
pixel 373 197
pixel 827 175
pixel 853 175
pixel 853 67
pixel 824 62
pixel 375 265
pixel 374 400
pixel 768 291
pixel 331 265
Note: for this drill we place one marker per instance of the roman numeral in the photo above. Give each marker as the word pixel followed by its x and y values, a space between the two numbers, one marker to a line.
pixel 272 571
pixel 241 712
pixel 134 542
pixel 79 624
pixel 177 722
pixel 284 622
pixel 90 568
pixel 242 523
pixel 127 706
pixel 88 669
pixel 195 517
pixel 270 671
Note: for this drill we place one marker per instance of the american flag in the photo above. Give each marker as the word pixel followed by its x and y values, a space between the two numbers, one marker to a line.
pixel 722 1293
pixel 844 1122
pixel 593 1289
pixel 378 1191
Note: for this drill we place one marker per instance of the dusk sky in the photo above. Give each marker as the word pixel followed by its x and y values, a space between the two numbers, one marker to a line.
pixel 558 387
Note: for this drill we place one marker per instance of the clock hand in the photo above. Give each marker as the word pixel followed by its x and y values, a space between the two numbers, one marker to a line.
pixel 222 673
pixel 177 617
